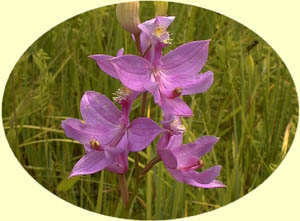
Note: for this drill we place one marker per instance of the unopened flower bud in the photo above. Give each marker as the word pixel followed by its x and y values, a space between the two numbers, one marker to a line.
pixel 161 8
pixel 128 16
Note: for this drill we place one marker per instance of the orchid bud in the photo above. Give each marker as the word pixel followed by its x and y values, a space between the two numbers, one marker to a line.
pixel 161 8
pixel 128 16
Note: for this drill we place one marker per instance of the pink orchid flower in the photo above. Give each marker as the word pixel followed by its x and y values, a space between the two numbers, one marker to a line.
pixel 182 160
pixel 107 134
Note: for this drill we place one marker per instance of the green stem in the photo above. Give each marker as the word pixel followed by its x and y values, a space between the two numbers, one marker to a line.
pixel 138 44
pixel 141 176
pixel 149 166
pixel 124 189
pixel 142 114
pixel 136 166
pixel 147 50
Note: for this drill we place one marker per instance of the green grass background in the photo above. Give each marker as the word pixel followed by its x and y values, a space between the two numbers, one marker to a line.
pixel 252 106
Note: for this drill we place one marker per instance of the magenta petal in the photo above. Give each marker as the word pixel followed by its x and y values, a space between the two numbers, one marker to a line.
pixel 193 178
pixel 175 141
pixel 212 184
pixel 91 162
pixel 187 163
pixel 119 154
pixel 133 71
pixel 120 146
pixel 103 61
pixel 199 84
pixel 96 108
pixel 126 104
pixel 141 133
pixel 152 87
pixel 177 174
pixel 163 150
pixel 145 42
pixel 119 164
pixel 120 52
pixel 206 176
pixel 197 149
pixel 87 148
pixel 163 141
pixel 175 106
pixel 79 131
pixel 84 133
pixel 168 158
pixel 188 59
pixel 148 27
pixel 164 21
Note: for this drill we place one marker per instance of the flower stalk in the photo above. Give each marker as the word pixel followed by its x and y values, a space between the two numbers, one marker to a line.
pixel 137 38
pixel 124 189
pixel 108 135
pixel 149 166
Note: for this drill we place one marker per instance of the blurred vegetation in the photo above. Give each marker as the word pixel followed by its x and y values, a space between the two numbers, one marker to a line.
pixel 252 106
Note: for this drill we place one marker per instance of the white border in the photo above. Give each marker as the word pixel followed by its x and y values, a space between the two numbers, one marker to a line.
pixel 22 22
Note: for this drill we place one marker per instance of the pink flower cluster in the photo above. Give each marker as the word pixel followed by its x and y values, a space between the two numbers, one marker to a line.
pixel 108 135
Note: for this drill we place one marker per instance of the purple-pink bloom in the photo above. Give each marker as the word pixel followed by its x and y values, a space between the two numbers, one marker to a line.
pixel 174 74
pixel 107 133
pixel 165 77
pixel 182 160
pixel 103 62
pixel 155 36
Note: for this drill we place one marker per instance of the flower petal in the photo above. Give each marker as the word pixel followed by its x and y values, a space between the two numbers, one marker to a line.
pixel 163 141
pixel 199 84
pixel 141 133
pixel 152 87
pixel 126 103
pixel 175 141
pixel 177 174
pixel 120 52
pixel 84 133
pixel 119 164
pixel 166 154
pixel 120 147
pixel 197 149
pixel 148 27
pixel 204 177
pixel 168 158
pixel 119 154
pixel 175 106
pixel 133 71
pixel 96 108
pixel 188 59
pixel 213 184
pixel 145 42
pixel 200 181
pixel 164 21
pixel 92 162
pixel 103 61
pixel 190 84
